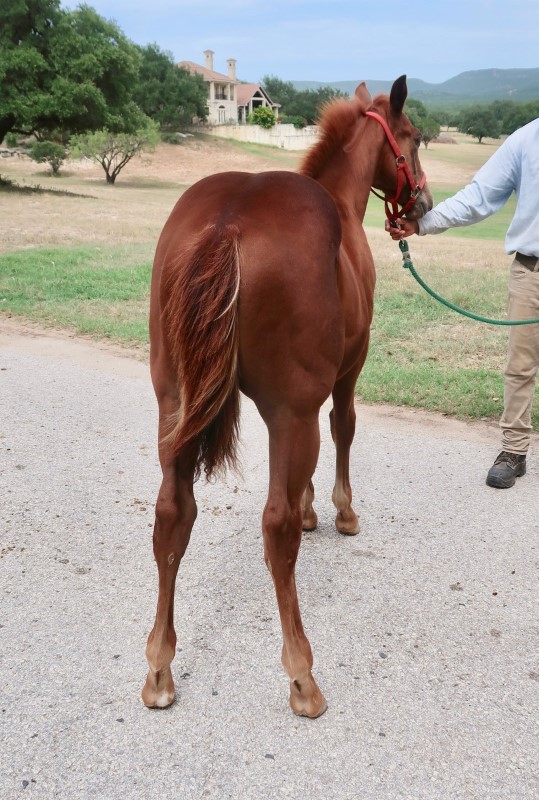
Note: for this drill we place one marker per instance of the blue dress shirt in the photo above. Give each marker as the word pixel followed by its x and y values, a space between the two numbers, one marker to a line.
pixel 514 167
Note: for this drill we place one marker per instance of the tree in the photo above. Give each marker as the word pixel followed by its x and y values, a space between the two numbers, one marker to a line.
pixel 282 92
pixel 63 72
pixel 114 150
pixel 305 104
pixel 443 116
pixel 479 122
pixel 504 110
pixel 429 129
pixel 297 122
pixel 514 115
pixel 310 102
pixel 417 113
pixel 94 70
pixel 26 30
pixel 168 94
pixel 262 116
pixel 50 153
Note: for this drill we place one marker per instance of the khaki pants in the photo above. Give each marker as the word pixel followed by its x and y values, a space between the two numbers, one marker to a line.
pixel 522 360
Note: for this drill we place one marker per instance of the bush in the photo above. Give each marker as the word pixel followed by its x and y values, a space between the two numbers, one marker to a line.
pixel 49 152
pixel 295 120
pixel 262 116
pixel 12 139
pixel 170 138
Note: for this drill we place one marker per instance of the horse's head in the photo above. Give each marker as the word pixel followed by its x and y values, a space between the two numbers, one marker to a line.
pixel 398 173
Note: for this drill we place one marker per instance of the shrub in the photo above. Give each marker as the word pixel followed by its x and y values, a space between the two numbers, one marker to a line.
pixel 262 116
pixel 49 152
pixel 296 121
pixel 170 138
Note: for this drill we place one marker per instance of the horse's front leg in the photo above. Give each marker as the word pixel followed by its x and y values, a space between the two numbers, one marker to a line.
pixel 309 517
pixel 343 424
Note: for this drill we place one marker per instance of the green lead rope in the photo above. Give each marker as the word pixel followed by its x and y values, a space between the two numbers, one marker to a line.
pixel 407 264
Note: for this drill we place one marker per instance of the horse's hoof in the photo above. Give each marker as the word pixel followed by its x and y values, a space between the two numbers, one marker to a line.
pixel 310 521
pixel 348 526
pixel 306 699
pixel 159 691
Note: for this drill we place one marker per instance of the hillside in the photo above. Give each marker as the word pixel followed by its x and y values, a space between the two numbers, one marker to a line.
pixel 476 86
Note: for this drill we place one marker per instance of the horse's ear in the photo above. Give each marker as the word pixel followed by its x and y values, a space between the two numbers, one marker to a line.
pixel 399 93
pixel 362 93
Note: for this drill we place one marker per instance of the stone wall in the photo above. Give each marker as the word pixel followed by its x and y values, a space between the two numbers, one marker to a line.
pixel 281 135
pixel 10 152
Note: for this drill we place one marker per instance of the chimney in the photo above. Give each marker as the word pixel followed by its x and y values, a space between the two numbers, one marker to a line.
pixel 209 59
pixel 231 64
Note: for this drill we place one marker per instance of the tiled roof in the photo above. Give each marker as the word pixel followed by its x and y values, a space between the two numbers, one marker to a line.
pixel 207 74
pixel 245 91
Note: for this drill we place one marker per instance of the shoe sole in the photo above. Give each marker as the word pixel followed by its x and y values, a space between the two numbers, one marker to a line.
pixel 499 483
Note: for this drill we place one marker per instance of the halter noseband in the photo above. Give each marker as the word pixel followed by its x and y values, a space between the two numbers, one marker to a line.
pixel 403 172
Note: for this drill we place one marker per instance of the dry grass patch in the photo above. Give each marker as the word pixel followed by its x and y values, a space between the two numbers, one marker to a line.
pixel 133 210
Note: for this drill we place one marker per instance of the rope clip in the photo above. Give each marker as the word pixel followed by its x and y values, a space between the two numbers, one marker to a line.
pixel 406 257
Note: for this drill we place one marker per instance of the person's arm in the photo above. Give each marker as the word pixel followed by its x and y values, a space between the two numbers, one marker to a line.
pixel 487 193
pixel 475 202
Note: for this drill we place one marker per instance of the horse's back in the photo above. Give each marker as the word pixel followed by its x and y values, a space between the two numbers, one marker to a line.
pixel 286 209
pixel 288 235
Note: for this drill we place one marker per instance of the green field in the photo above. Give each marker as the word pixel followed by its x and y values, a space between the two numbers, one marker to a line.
pixel 493 228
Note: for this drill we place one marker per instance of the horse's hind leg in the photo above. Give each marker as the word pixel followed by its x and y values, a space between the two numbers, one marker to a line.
pixel 294 445
pixel 175 514
pixel 343 425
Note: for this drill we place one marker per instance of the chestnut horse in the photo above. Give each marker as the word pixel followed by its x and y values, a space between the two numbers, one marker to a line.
pixel 263 284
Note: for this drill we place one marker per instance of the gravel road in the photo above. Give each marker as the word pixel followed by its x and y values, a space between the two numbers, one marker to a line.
pixel 424 627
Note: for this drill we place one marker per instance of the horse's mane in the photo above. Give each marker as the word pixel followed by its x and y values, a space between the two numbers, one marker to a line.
pixel 336 123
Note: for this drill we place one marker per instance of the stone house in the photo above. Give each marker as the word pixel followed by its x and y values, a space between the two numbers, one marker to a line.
pixel 229 100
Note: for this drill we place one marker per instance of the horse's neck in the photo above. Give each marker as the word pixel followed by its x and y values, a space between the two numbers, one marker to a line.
pixel 348 178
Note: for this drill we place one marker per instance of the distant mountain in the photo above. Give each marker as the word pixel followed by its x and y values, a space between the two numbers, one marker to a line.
pixel 476 86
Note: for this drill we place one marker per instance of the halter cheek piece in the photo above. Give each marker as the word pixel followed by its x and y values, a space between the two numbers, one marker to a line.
pixel 403 173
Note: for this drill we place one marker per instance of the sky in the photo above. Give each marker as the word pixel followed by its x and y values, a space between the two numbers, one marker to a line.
pixel 333 40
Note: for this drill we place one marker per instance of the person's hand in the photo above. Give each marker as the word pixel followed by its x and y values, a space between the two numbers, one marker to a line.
pixel 401 228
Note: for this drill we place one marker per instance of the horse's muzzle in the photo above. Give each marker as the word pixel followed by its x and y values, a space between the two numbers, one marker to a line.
pixel 423 204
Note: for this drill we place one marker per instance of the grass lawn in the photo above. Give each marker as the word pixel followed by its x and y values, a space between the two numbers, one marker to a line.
pixel 93 290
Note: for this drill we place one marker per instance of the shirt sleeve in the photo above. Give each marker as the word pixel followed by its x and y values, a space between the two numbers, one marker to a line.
pixel 487 193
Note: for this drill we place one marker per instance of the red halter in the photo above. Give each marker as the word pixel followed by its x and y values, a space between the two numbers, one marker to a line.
pixel 403 171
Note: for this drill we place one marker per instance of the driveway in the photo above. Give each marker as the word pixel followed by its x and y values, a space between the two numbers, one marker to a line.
pixel 424 627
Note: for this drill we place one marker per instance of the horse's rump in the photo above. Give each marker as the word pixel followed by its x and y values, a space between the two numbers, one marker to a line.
pixel 278 235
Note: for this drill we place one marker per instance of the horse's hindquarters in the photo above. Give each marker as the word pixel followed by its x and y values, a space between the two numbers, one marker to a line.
pixel 244 293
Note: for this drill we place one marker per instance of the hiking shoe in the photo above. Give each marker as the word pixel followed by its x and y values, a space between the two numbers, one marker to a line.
pixel 506 469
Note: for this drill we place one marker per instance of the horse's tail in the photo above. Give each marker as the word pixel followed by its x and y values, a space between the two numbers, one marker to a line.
pixel 201 317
